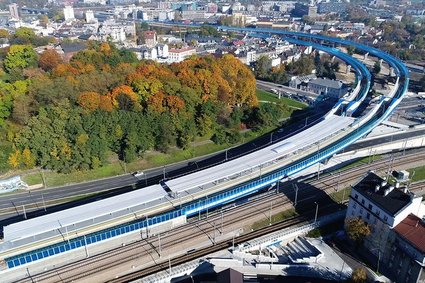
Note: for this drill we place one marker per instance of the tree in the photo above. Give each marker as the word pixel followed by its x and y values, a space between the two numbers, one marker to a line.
pixel 28 158
pixel 4 33
pixel 89 100
pixel 262 67
pixel 377 68
pixel 359 275
pixel 20 57
pixel 49 60
pixel 350 49
pixel 14 158
pixel 357 229
pixel 24 35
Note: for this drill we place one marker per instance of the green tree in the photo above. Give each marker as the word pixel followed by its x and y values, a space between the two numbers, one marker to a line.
pixel 350 50
pixel 377 68
pixel 20 57
pixel 262 67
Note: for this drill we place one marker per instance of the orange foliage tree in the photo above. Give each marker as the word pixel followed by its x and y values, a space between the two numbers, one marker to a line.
pixel 89 100
pixel 49 60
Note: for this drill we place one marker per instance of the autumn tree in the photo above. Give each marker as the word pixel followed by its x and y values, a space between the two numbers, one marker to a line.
pixel 20 57
pixel 89 100
pixel 123 97
pixel 15 159
pixel 49 60
pixel 359 275
pixel 28 158
pixel 357 229
pixel 4 33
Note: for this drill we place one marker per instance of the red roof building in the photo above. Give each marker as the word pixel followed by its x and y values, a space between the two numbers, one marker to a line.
pixel 412 229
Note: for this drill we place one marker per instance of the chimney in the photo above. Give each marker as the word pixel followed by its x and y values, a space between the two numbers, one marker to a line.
pixel 397 185
pixel 383 183
pixel 390 188
pixel 405 189
pixel 377 187
pixel 386 192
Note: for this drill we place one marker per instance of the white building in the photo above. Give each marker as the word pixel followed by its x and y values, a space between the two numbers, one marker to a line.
pixel 90 16
pixel 178 55
pixel 382 206
pixel 162 50
pixel 14 12
pixel 68 13
pixel 251 57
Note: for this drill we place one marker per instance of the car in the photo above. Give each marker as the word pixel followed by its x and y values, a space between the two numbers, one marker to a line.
pixel 137 173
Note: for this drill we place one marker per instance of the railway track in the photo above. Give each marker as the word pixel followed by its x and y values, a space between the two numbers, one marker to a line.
pixel 98 263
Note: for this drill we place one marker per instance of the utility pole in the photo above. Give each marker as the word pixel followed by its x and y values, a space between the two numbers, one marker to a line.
pixel 296 194
pixel 44 179
pixel 169 264
pixel 221 232
pixel 271 208
pixel 317 209
pixel 159 245
pixel 25 214
pixel 44 204
pixel 85 245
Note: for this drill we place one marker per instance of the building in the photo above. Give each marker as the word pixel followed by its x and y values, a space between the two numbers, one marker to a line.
pixel 331 7
pixel 14 11
pixel 162 50
pixel 150 38
pixel 304 10
pixel 382 206
pixel 178 55
pixel 405 257
pixel 68 13
pixel 90 16
pixel 330 88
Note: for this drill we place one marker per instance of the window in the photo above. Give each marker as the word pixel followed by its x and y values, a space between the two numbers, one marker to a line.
pixel 362 201
pixel 368 215
pixel 361 211
pixel 385 218
pixel 370 206
pixel 354 205
pixel 356 196
pixel 378 212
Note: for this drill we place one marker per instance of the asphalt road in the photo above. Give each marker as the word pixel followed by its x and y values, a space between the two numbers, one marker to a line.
pixel 279 87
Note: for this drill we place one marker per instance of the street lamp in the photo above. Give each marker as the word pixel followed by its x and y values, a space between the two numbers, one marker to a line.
pixel 317 209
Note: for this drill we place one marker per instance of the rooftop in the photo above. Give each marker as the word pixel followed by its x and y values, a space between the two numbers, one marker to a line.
pixel 327 83
pixel 392 203
pixel 412 229
pixel 181 50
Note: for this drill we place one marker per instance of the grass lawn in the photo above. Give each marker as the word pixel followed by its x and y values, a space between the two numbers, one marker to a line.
pixel 267 96
pixel 362 161
pixel 338 196
pixel 419 173
pixel 151 159
pixel 275 218
pixel 326 229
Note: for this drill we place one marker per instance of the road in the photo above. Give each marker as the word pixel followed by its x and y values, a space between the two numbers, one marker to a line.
pixel 269 86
